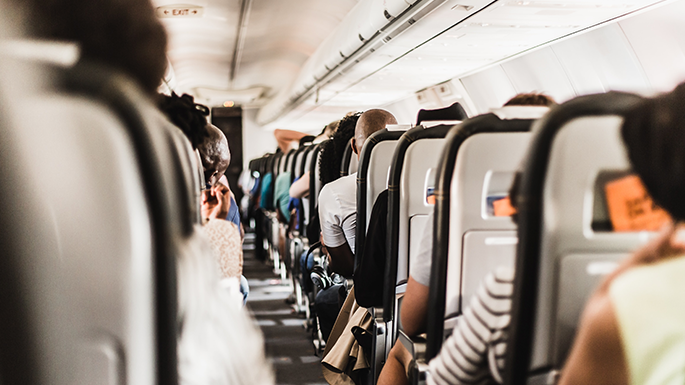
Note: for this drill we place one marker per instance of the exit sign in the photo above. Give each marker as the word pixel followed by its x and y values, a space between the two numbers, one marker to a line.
pixel 180 10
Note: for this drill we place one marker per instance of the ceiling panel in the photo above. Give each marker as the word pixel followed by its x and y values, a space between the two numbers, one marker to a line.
pixel 279 38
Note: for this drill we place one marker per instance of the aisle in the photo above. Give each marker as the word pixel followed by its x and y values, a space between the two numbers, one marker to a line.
pixel 288 345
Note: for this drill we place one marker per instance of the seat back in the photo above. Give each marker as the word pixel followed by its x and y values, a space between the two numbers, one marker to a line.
pixel 289 160
pixel 354 164
pixel 349 163
pixel 310 155
pixel 372 178
pixel 169 197
pixel 453 112
pixel 411 175
pixel 467 176
pixel 560 257
pixel 117 188
pixel 36 326
pixel 297 165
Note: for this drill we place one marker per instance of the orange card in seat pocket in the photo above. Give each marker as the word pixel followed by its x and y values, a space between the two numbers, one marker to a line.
pixel 503 208
pixel 631 208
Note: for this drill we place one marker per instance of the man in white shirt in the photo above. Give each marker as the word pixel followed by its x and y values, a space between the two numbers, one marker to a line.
pixel 338 199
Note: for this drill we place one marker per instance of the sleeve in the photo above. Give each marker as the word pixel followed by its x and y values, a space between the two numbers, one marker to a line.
pixel 420 265
pixel 224 238
pixel 330 217
pixel 474 353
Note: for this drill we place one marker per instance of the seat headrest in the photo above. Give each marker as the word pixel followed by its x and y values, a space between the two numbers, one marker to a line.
pixel 453 112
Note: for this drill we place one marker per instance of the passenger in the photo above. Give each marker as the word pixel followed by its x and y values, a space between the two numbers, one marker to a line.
pixel 288 139
pixel 300 188
pixel 633 327
pixel 328 301
pixel 344 358
pixel 282 196
pixel 338 199
pixel 414 307
pixel 216 201
pixel 124 34
pixel 531 99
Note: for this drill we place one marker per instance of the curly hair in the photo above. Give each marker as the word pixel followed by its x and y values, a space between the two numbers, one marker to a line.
pixel 332 150
pixel 123 34
pixel 187 115
pixel 531 99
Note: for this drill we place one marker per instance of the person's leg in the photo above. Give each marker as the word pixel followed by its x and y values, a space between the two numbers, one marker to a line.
pixel 244 288
pixel 394 371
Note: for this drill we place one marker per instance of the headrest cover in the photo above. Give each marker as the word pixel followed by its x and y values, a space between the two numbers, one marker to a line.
pixel 654 135
pixel 520 112
pixel 441 122
pixel 398 127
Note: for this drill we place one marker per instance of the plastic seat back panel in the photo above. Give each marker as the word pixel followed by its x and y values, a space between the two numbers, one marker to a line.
pixel 421 157
pixel 474 168
pixel 484 252
pixel 582 149
pixel 104 234
pixel 377 175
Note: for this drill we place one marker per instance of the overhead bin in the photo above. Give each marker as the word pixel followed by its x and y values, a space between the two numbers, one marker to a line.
pixel 363 31
pixel 396 7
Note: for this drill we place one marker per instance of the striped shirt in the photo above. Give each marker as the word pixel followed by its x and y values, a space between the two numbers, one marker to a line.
pixel 474 353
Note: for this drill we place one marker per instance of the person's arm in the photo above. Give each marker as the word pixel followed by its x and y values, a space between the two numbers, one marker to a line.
pixel 414 312
pixel 597 355
pixel 414 308
pixel 300 188
pixel 342 259
pixel 285 138
pixel 465 355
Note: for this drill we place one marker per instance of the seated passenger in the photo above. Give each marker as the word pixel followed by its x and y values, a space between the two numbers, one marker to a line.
pixel 288 139
pixel 633 327
pixel 212 146
pixel 414 306
pixel 300 188
pixel 338 199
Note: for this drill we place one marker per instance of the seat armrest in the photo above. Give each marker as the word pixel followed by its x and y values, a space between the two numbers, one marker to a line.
pixel 416 346
pixel 418 373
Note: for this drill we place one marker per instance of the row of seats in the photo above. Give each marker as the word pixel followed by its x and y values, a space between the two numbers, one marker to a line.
pixel 265 170
pixel 559 246
pixel 558 256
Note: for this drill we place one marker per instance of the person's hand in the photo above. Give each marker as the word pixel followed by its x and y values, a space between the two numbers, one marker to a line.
pixel 664 246
pixel 216 202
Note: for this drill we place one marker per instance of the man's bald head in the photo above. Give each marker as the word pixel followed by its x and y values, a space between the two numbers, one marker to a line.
pixel 368 123
pixel 215 154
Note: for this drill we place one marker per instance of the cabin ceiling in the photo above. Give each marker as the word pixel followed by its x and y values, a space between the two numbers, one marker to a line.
pixel 278 38
pixel 304 62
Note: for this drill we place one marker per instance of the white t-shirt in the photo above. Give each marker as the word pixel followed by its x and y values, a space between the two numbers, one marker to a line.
pixel 420 264
pixel 338 211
